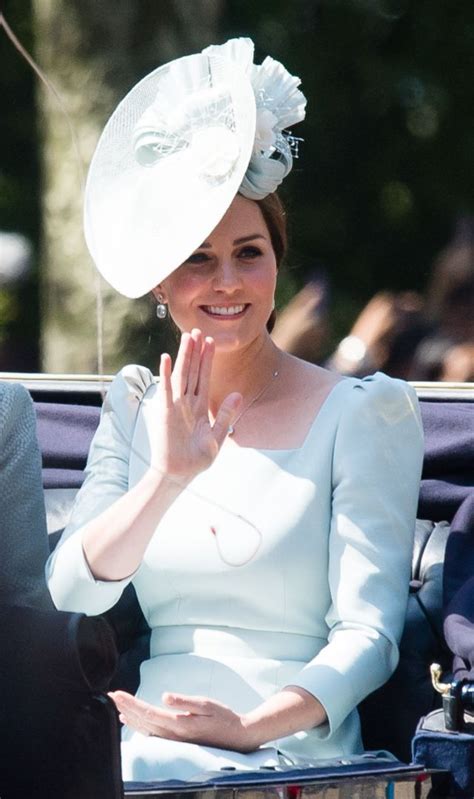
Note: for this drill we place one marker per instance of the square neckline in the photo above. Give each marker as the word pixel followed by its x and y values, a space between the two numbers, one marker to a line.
pixel 327 402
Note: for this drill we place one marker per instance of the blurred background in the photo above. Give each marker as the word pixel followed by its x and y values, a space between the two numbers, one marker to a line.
pixel 380 272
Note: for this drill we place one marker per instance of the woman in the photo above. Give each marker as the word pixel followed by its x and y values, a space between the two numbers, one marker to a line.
pixel 263 507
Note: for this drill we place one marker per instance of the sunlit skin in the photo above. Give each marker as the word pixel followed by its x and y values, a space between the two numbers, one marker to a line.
pixel 233 270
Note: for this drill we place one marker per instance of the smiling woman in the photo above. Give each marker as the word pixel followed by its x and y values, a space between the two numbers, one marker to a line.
pixel 226 288
pixel 272 564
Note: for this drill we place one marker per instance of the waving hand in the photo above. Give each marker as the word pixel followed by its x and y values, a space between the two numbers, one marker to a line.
pixel 186 442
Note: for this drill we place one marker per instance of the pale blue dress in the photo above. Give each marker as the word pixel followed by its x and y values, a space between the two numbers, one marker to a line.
pixel 276 567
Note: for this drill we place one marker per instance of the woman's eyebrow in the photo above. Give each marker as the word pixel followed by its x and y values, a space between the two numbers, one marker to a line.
pixel 243 239
pixel 207 245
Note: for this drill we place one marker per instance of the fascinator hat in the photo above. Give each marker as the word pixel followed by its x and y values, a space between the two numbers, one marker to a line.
pixel 175 152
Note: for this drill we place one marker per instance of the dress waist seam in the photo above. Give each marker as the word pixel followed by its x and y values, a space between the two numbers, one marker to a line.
pixel 233 642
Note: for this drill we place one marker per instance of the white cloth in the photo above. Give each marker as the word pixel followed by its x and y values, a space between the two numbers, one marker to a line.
pixel 320 598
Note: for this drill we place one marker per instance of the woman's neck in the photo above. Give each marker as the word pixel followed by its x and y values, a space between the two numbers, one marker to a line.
pixel 245 371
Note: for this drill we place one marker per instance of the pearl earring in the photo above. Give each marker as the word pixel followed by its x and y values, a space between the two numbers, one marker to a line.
pixel 161 309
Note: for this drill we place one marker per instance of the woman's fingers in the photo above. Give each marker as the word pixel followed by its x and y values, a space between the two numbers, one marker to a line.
pixel 194 362
pixel 140 713
pixel 165 379
pixel 186 375
pixel 189 439
pixel 189 704
pixel 226 415
pixel 205 369
pixel 146 718
pixel 179 377
pixel 196 719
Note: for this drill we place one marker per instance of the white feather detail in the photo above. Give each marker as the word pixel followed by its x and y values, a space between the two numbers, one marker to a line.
pixel 280 103
pixel 187 104
pixel 278 91
pixel 240 50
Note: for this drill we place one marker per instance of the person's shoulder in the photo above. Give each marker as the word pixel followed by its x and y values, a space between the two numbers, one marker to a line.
pixel 9 391
pixel 17 419
pixel 384 396
pixel 14 398
pixel 304 377
pixel 128 388
pixel 379 407
pixel 374 396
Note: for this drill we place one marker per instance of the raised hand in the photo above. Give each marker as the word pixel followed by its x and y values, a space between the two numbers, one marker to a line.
pixel 186 442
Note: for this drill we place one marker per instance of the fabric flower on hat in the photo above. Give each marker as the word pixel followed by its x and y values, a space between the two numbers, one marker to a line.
pixel 280 103
pixel 265 136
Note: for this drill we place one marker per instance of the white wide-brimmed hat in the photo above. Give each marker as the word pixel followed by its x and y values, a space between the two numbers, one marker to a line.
pixel 176 151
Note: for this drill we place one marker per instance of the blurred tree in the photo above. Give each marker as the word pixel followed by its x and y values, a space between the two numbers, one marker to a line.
pixel 92 53
pixel 388 157
pixel 385 167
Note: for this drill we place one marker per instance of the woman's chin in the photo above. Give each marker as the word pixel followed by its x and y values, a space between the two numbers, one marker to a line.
pixel 227 343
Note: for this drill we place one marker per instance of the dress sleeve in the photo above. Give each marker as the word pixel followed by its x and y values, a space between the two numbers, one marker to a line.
pixel 70 581
pixel 377 464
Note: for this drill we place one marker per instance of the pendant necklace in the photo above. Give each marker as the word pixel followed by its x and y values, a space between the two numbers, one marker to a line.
pixel 237 538
pixel 231 428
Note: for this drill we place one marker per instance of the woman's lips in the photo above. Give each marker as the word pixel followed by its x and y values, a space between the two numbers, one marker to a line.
pixel 225 311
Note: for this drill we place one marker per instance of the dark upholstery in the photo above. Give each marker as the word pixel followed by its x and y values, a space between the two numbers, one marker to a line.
pixel 64 435
pixel 389 716
pixel 448 492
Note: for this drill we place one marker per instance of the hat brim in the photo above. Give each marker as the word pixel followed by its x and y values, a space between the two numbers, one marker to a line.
pixel 142 221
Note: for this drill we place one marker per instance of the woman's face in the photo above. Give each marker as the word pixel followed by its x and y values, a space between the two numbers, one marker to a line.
pixel 226 287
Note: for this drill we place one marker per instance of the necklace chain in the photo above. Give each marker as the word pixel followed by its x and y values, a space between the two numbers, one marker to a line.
pixel 258 395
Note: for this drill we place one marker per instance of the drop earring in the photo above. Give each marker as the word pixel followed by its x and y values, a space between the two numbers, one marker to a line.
pixel 161 309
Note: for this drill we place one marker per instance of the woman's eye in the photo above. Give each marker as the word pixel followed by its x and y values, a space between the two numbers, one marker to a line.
pixel 250 252
pixel 197 258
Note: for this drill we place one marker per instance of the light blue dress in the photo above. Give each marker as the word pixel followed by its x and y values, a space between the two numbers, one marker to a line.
pixel 275 567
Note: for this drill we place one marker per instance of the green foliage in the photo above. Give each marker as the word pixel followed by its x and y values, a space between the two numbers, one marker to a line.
pixel 387 160
pixel 388 157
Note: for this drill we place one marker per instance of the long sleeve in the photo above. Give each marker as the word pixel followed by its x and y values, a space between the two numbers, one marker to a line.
pixel 376 473
pixel 71 584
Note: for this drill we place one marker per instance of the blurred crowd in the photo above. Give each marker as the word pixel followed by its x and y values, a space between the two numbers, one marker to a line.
pixel 406 334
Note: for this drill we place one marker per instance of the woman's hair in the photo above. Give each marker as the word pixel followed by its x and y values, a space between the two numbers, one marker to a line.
pixel 274 214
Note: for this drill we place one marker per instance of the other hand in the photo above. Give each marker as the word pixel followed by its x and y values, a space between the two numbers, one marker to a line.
pixel 193 719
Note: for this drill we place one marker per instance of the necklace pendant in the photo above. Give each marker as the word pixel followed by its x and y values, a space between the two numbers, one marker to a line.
pixel 253 401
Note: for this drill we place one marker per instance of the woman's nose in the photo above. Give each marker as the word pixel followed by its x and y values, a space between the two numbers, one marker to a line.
pixel 227 276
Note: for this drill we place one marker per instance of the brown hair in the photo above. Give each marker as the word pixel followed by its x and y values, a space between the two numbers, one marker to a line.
pixel 274 215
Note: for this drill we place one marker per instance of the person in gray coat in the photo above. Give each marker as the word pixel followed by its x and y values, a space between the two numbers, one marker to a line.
pixel 23 533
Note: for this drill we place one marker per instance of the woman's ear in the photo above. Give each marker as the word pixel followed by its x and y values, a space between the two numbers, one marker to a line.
pixel 159 294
